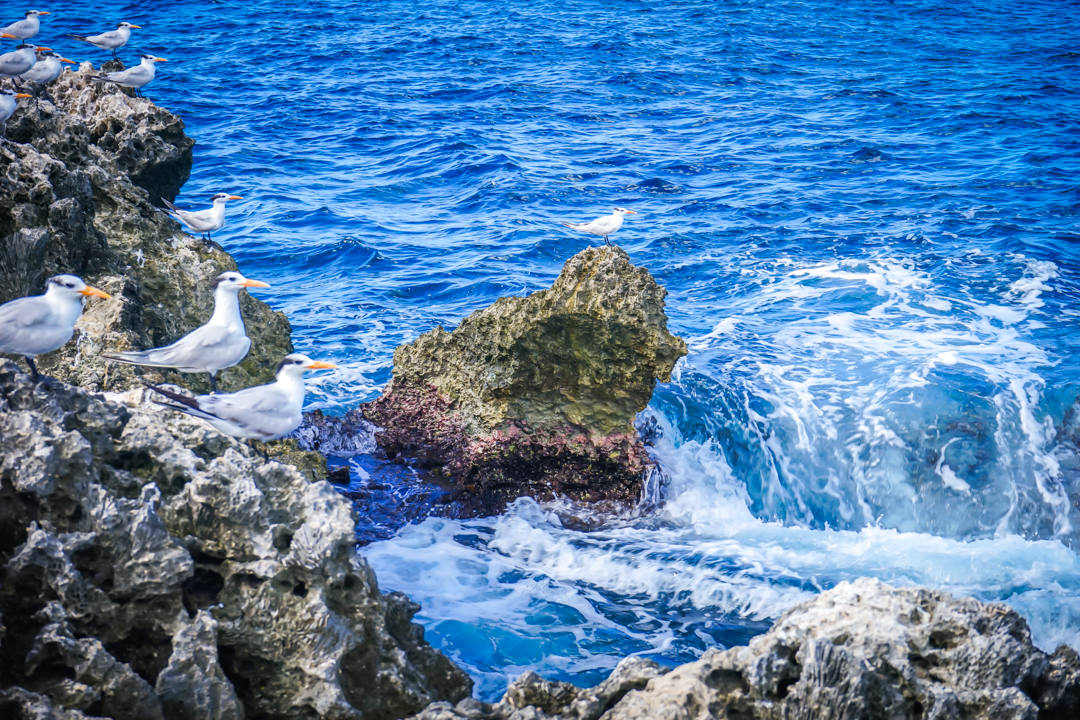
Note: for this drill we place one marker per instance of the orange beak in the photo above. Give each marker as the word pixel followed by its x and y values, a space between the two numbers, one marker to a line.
pixel 631 212
pixel 41 48
pixel 320 365
pixel 94 292
pixel 253 283
pixel 160 59
pixel 44 12
pixel 21 95
pixel 68 61
pixel 7 35
pixel 235 197
pixel 135 26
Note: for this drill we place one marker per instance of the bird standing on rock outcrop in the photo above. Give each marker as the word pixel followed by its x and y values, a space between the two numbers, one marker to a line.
pixel 206 221
pixel 27 27
pixel 263 412
pixel 112 40
pixel 19 60
pixel 8 100
pixel 35 325
pixel 47 68
pixel 603 226
pixel 221 343
pixel 136 77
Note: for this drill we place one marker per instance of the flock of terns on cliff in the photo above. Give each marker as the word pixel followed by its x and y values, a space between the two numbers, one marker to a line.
pixel 32 326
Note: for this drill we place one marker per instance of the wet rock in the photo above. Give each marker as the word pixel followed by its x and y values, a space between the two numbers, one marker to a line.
pixel 79 191
pixel 861 650
pixel 153 568
pixel 536 395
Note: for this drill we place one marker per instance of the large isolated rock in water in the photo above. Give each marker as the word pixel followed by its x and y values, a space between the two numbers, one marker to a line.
pixel 861 651
pixel 537 395
pixel 154 569
pixel 79 191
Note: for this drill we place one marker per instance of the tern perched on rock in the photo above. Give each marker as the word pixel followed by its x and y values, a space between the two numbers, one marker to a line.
pixel 603 226
pixel 27 27
pixel 221 343
pixel 112 40
pixel 8 100
pixel 47 68
pixel 19 60
pixel 264 412
pixel 135 77
pixel 206 221
pixel 35 325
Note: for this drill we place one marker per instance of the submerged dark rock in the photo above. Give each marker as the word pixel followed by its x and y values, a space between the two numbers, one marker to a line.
pixel 862 650
pixel 536 395
pixel 153 568
pixel 79 188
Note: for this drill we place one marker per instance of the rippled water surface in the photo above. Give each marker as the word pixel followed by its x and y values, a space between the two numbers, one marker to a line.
pixel 866 216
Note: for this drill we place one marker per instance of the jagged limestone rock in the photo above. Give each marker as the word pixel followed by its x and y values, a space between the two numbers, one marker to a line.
pixel 585 353
pixel 537 395
pixel 153 568
pixel 860 651
pixel 79 191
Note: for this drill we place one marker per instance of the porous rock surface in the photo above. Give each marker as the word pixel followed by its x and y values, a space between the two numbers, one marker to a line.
pixel 537 395
pixel 153 568
pixel 80 185
pixel 860 651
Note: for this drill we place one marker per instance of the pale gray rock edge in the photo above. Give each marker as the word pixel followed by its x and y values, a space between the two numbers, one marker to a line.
pixel 861 650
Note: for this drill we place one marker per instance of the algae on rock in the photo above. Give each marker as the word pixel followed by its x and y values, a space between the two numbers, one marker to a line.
pixel 78 192
pixel 537 395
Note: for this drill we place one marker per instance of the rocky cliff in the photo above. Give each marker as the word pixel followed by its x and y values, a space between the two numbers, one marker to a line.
pixel 861 651
pixel 79 188
pixel 153 568
pixel 537 395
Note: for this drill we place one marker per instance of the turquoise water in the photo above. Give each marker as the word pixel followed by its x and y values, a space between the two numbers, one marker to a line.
pixel 866 216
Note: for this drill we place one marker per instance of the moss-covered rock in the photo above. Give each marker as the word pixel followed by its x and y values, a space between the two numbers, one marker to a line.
pixel 79 188
pixel 537 395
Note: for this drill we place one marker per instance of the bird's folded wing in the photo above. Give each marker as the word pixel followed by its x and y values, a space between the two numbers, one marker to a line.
pixel 244 407
pixel 200 342
pixel 22 316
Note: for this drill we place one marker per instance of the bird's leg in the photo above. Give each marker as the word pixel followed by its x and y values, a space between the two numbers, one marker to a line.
pixel 34 374
pixel 213 383
pixel 606 241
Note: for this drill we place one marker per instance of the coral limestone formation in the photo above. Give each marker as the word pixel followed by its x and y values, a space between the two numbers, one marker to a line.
pixel 78 188
pixel 153 568
pixel 537 395
pixel 862 650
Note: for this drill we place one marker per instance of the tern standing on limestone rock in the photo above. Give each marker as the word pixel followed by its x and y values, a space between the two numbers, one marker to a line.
pixel 264 412
pixel 47 68
pixel 27 27
pixel 39 324
pixel 206 221
pixel 603 226
pixel 8 100
pixel 112 40
pixel 19 60
pixel 136 77
pixel 221 343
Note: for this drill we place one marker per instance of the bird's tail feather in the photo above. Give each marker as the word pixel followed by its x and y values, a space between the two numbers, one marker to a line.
pixel 76 37
pixel 572 226
pixel 178 401
pixel 136 357
pixel 169 205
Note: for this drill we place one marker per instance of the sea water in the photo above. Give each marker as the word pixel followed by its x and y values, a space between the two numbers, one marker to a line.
pixel 866 216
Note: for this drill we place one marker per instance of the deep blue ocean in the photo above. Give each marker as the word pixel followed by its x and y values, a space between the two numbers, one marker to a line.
pixel 867 215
